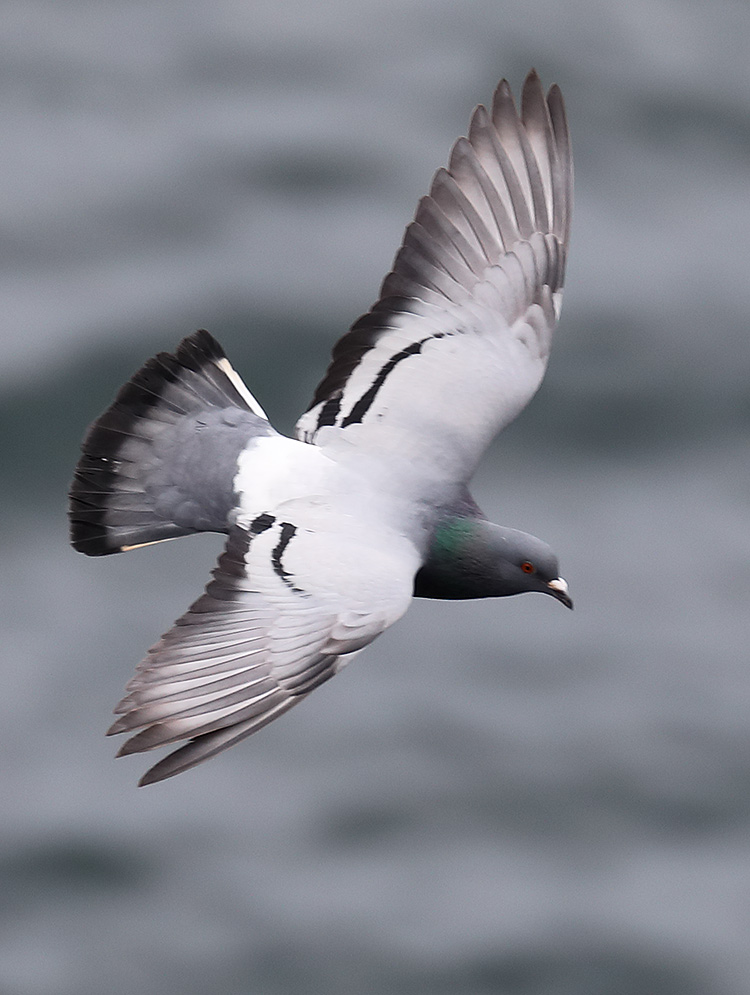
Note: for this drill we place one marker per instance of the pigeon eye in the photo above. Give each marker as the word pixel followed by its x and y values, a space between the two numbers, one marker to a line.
pixel 527 567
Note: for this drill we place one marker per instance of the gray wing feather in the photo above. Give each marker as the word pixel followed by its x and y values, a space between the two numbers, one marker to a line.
pixel 479 273
pixel 563 160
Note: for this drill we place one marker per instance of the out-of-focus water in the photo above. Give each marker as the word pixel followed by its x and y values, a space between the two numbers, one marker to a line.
pixel 498 797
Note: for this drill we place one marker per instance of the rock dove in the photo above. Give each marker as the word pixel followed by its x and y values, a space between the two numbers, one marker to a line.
pixel 331 534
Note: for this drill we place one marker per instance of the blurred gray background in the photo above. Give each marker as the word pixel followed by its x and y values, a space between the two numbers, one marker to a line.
pixel 497 797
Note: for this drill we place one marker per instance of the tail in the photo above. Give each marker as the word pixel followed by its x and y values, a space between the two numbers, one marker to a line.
pixel 159 463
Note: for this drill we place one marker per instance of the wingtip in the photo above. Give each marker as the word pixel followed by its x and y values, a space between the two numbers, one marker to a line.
pixel 160 771
pixel 174 763
pixel 152 776
pixel 532 95
pixel 118 726
pixel 479 123
pixel 556 105
pixel 504 107
pixel 503 91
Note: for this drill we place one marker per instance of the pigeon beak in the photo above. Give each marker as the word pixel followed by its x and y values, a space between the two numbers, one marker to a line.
pixel 559 589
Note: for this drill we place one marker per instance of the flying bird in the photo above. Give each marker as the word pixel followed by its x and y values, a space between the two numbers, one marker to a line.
pixel 330 534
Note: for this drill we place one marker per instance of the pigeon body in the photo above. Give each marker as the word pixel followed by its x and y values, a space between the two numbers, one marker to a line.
pixel 330 534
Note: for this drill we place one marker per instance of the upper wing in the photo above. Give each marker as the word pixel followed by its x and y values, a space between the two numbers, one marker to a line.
pixel 270 628
pixel 458 342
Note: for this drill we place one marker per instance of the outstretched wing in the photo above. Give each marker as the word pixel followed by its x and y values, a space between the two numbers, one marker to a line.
pixel 458 342
pixel 272 626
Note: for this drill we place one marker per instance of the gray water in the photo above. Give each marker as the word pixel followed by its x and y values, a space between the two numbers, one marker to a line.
pixel 495 798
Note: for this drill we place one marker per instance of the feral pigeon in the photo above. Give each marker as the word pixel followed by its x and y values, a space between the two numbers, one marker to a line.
pixel 330 534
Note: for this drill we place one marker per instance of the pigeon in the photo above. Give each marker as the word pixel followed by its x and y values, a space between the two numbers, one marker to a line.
pixel 331 534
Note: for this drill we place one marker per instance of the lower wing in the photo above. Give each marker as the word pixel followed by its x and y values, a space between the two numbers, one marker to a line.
pixel 288 606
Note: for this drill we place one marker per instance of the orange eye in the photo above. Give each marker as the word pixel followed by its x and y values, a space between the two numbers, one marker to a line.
pixel 528 568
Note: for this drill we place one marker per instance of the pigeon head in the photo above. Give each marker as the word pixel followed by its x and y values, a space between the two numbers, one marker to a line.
pixel 474 558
